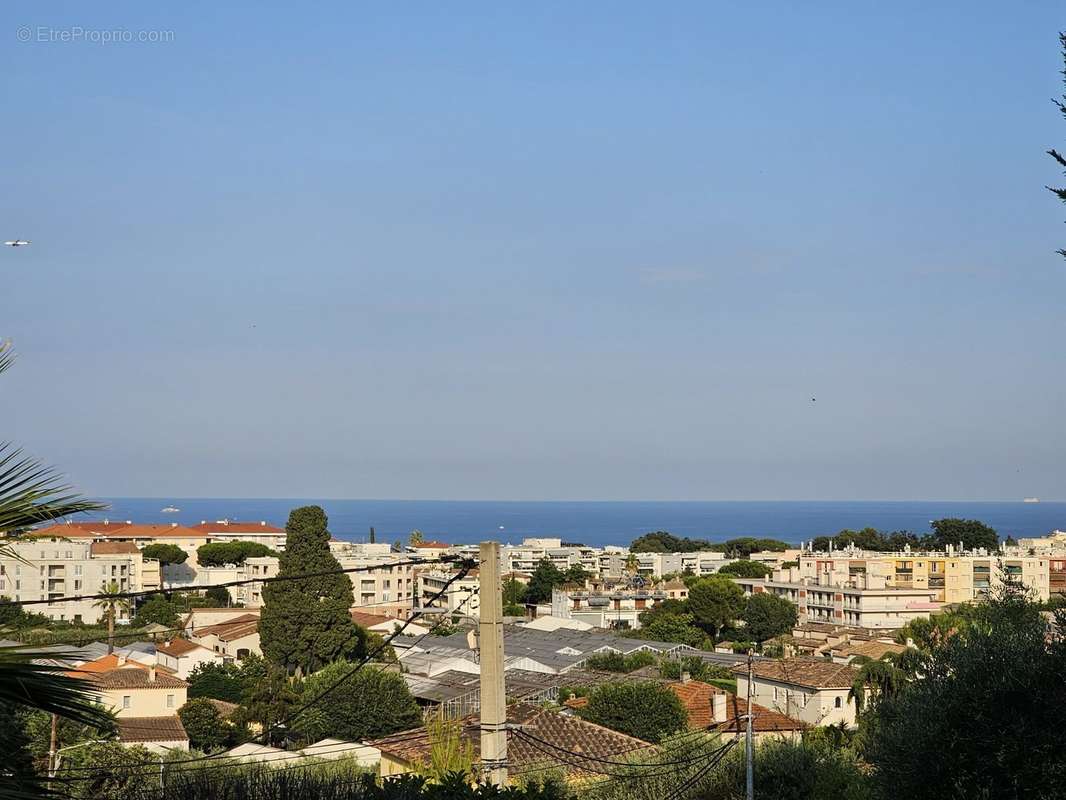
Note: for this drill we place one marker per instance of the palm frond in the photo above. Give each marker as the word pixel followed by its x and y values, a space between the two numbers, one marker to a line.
pixel 45 686
pixel 31 493
pixel 7 355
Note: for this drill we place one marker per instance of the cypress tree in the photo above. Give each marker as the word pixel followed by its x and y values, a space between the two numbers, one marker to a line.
pixel 305 624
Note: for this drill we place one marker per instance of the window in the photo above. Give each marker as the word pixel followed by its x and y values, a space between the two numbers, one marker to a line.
pixel 838 703
pixel 77 569
pixel 170 701
pixel 775 693
pixel 126 701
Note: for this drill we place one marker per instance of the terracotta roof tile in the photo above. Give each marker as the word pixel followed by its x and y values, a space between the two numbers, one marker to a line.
pixel 136 679
pixel 231 630
pixel 151 729
pixel 179 647
pixel 112 548
pixel 570 733
pixel 814 673
pixel 696 697
pixel 764 721
pixel 234 526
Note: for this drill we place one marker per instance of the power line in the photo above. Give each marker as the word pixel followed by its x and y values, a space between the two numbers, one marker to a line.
pixel 227 584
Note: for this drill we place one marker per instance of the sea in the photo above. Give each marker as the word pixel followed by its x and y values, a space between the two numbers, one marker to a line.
pixel 599 523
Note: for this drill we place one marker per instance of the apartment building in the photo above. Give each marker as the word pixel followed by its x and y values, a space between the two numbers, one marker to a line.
pixel 460 597
pixel 618 608
pixel 48 567
pixel 953 576
pixel 384 583
pixel 859 601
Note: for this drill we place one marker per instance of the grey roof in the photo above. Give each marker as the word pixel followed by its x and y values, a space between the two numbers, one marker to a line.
pixel 558 651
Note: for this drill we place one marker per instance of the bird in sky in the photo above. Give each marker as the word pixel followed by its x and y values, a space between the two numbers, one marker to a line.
pixel 17 242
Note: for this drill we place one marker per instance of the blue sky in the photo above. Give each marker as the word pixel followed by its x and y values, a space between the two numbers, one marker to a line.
pixel 536 251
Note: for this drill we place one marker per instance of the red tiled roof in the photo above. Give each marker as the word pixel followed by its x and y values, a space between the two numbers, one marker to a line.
pixel 151 729
pixel 116 531
pixel 569 733
pixel 763 721
pixel 233 526
pixel 224 709
pixel 696 697
pixel 106 664
pixel 813 673
pixel 126 678
pixel 432 545
pixel 112 548
pixel 179 647
pixel 365 619
pixel 233 629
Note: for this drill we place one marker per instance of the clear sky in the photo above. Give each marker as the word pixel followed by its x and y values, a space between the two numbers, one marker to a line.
pixel 537 250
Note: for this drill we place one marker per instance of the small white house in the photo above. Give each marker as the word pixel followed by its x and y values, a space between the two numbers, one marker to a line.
pixel 813 690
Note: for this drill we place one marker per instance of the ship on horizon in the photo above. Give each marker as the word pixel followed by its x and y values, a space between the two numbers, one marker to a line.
pixel 169 510
pixel 1030 499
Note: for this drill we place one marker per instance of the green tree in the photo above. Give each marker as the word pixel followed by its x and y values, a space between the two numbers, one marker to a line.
pixel 220 681
pixel 970 532
pixel 366 704
pixel 111 604
pixel 715 602
pixel 680 628
pixel 108 771
pixel 1055 154
pixel 305 624
pixel 219 596
pixel 988 702
pixel 157 609
pixel 514 592
pixel 648 711
pixel 766 616
pixel 222 554
pixel 450 752
pixel 416 537
pixel 204 724
pixel 269 700
pixel 545 577
pixel 746 569
pixel 576 573
pixel 165 554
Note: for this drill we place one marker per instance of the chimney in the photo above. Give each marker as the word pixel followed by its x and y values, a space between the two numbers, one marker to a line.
pixel 151 673
pixel 122 659
pixel 718 707
pixel 685 677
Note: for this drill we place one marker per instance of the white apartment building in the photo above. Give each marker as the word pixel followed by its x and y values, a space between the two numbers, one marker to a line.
pixel 460 597
pixel 47 567
pixel 862 601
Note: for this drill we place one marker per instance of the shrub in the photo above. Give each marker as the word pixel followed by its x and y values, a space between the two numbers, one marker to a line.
pixel 648 711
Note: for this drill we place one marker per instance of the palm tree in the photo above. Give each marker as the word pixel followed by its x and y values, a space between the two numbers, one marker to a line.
pixel 631 564
pixel 416 537
pixel 882 678
pixel 31 493
pixel 110 604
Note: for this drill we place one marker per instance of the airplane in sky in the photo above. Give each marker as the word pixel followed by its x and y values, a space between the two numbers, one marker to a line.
pixel 17 242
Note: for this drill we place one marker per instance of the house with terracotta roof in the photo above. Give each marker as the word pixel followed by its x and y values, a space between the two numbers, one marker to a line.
pixel 145 699
pixel 181 656
pixel 385 625
pixel 233 639
pixel 814 690
pixel 404 751
pixel 709 707
pixel 875 649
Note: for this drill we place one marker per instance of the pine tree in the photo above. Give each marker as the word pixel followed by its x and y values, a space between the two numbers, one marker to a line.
pixel 305 624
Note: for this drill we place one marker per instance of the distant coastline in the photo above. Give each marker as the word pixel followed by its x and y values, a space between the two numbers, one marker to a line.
pixel 603 522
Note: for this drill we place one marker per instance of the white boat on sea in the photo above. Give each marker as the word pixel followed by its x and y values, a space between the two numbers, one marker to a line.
pixel 1030 499
pixel 169 510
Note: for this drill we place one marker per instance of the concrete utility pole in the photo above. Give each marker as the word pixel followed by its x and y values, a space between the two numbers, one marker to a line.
pixel 52 743
pixel 749 743
pixel 493 692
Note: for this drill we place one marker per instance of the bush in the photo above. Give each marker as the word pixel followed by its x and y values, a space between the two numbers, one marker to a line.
pixel 203 723
pixel 648 711
pixel 696 667
pixel 220 681
pixel 616 662
pixel 156 610
pixel 746 569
